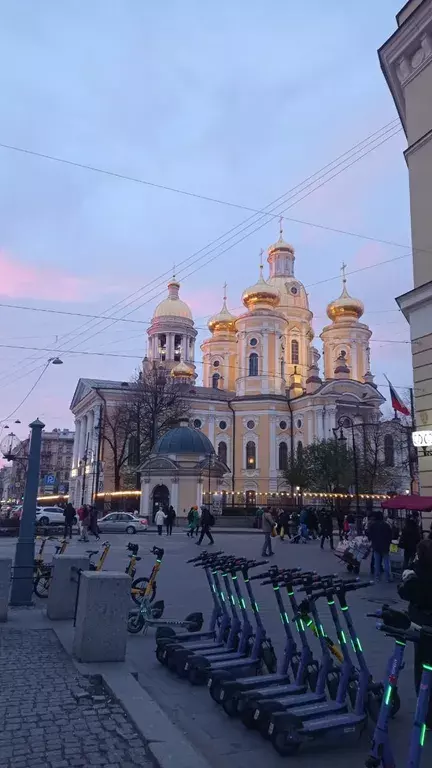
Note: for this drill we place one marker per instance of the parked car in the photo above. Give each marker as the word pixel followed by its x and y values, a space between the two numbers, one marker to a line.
pixel 122 522
pixel 49 515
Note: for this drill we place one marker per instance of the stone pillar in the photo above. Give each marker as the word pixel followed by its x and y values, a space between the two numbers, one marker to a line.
pixel 211 428
pixel 64 585
pixel 174 495
pixel 76 444
pixel 101 619
pixel 319 423
pixel 5 576
pixel 199 493
pixel 89 437
pixel 272 446
pixel 145 498
pixel 83 438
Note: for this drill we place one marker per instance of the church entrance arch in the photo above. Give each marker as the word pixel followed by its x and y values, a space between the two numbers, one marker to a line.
pixel 160 498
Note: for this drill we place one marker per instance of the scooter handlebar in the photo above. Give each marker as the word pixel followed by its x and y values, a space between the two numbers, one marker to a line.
pixel 204 556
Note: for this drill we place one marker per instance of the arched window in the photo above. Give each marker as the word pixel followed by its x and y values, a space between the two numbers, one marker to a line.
pixel 388 451
pixel 215 380
pixel 283 456
pixel 222 452
pixel 253 364
pixel 295 352
pixel 250 455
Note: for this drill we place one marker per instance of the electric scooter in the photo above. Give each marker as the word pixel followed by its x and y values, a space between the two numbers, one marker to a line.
pixel 227 690
pixel 399 626
pixel 145 617
pixel 248 656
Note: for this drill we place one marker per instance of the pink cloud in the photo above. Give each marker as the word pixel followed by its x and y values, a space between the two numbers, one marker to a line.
pixel 20 280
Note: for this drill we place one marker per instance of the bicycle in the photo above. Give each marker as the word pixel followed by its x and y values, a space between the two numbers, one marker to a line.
pixel 91 552
pixel 42 571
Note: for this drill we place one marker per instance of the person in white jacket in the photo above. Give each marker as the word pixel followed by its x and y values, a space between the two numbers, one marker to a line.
pixel 159 520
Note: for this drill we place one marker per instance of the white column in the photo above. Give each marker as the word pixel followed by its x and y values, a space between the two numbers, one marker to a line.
pixel 277 364
pixel 145 498
pixel 96 418
pixel 272 438
pixel 174 496
pixel 83 437
pixel 211 428
pixel 89 438
pixel 265 373
pixel 76 443
pixel 199 494
pixel 184 347
pixel 319 423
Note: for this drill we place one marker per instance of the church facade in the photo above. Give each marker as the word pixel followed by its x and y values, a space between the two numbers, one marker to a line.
pixel 264 392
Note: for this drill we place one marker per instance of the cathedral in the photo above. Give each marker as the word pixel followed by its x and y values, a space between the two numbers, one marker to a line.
pixel 264 392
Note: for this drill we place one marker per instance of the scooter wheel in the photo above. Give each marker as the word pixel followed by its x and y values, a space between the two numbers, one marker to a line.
pixel 42 584
pixel 195 621
pixel 287 742
pixel 135 623
pixel 230 705
pixel 161 655
pixel 216 685
pixel 197 676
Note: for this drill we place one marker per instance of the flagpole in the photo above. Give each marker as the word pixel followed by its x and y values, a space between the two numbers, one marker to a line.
pixel 413 424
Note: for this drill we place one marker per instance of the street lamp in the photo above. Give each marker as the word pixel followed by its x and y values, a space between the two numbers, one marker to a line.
pixel 347 421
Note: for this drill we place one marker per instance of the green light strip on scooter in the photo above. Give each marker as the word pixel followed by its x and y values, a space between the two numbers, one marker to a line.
pixel 343 636
pixel 308 623
pixel 359 645
pixel 233 578
pixel 423 735
pixel 222 596
pixel 256 607
pixel 243 604
pixel 428 667
pixel 290 594
pixel 330 602
pixel 352 643
pixel 275 589
pixel 344 607
pixel 400 642
pixel 233 599
pixel 322 630
pixel 300 621
pixel 388 695
pixel 286 618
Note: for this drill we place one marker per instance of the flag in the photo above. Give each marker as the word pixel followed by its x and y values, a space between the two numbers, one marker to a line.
pixel 397 403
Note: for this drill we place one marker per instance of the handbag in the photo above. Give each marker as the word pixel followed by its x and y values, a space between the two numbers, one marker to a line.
pixel 273 531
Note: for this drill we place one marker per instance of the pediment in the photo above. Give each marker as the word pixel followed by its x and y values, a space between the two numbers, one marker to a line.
pixel 158 463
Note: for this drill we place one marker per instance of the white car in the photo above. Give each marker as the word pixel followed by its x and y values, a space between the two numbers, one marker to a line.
pixel 122 522
pixel 49 515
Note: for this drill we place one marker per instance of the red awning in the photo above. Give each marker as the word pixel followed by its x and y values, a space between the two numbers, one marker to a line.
pixel 413 503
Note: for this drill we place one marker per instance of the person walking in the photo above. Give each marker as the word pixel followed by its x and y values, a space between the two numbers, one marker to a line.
pixel 304 530
pixel 69 516
pixel 169 520
pixel 416 587
pixel 159 520
pixel 284 529
pixel 207 521
pixel 380 536
pixel 83 517
pixel 409 540
pixel 327 529
pixel 93 523
pixel 267 528
pixel 193 522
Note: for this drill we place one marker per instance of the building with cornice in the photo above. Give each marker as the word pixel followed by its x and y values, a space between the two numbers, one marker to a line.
pixel 262 395
pixel 406 60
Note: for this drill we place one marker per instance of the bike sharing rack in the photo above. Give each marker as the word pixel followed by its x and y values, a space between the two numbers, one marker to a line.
pixel 5 577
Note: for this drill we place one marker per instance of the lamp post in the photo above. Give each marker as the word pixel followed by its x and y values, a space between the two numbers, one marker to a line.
pixel 209 480
pixel 343 422
pixel 22 580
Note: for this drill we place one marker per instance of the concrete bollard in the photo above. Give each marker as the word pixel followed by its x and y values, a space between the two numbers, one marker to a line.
pixel 101 619
pixel 64 585
pixel 5 583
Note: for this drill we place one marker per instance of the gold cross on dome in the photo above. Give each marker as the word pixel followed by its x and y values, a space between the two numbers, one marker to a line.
pixel 225 286
pixel 343 268
pixel 261 260
pixel 281 218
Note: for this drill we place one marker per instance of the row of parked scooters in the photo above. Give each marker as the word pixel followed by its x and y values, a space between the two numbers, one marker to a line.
pixel 303 699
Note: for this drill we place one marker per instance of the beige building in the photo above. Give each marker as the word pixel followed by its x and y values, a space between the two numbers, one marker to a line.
pixel 406 60
pixel 262 395
pixel 55 464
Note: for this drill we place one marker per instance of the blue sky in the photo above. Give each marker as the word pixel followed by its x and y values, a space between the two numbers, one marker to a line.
pixel 237 101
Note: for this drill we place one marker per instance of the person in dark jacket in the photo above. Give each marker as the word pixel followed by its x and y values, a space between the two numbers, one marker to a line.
pixel 93 523
pixel 416 587
pixel 69 516
pixel 409 540
pixel 169 519
pixel 380 536
pixel 207 520
pixel 327 529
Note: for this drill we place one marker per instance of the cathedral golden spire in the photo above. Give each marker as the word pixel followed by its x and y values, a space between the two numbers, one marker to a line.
pixel 345 306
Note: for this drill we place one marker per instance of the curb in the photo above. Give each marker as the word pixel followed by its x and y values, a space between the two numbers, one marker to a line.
pixel 165 742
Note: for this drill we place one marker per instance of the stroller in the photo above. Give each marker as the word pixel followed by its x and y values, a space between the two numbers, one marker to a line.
pixel 353 552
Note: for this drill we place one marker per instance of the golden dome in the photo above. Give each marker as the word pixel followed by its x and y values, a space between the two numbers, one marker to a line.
pixel 281 245
pixel 223 320
pixel 260 293
pixel 173 306
pixel 182 371
pixel 345 306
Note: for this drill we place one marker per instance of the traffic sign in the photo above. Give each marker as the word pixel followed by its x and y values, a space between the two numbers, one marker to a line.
pixel 49 480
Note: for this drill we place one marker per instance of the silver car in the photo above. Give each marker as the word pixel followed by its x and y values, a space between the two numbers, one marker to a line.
pixel 122 522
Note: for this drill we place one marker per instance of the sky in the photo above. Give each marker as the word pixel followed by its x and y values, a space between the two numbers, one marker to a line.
pixel 239 102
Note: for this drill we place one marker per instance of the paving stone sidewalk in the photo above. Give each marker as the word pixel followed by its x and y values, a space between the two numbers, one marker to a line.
pixel 53 717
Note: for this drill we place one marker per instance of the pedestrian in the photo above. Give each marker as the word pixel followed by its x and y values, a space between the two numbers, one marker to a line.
pixel 416 587
pixel 409 539
pixel 207 521
pixel 380 536
pixel 258 517
pixel 352 524
pixel 304 531
pixel 346 528
pixel 83 517
pixel 284 529
pixel 69 516
pixel 169 519
pixel 93 522
pixel 267 528
pixel 312 522
pixel 327 529
pixel 159 520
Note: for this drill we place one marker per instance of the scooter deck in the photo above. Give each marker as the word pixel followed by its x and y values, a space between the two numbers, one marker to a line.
pixel 272 691
pixel 184 637
pixel 241 661
pixel 322 708
pixel 288 701
pixel 249 683
pixel 348 721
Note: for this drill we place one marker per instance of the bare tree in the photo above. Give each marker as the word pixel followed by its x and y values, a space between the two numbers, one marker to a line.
pixel 152 404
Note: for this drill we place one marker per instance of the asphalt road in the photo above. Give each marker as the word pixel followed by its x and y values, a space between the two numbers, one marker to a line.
pixel 184 589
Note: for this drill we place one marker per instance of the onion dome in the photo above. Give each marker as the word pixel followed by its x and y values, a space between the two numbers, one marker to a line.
pixel 345 306
pixel 173 306
pixel 223 320
pixel 182 371
pixel 262 293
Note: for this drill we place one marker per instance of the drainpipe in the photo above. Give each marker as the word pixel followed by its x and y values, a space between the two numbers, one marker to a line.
pixel 233 451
